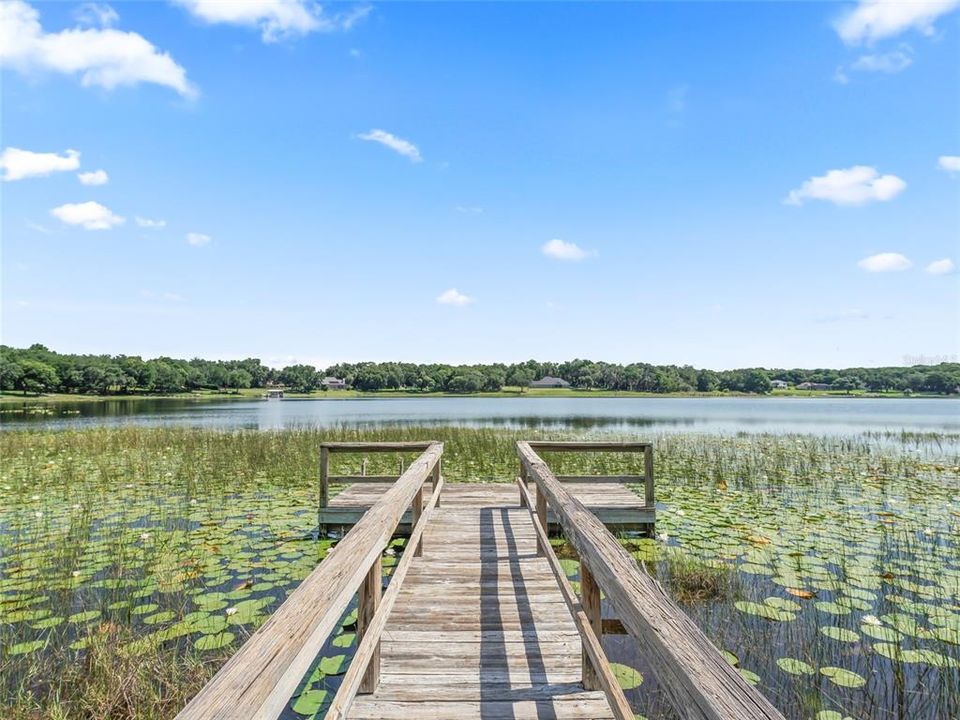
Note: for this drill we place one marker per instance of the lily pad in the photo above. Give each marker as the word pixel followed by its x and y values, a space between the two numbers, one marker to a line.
pixel 843 677
pixel 627 677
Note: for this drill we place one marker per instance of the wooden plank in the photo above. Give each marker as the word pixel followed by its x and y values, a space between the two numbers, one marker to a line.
pixel 370 447
pixel 587 446
pixel 601 676
pixel 699 681
pixel 360 479
pixel 369 648
pixel 324 477
pixel 578 708
pixel 590 600
pixel 371 591
pixel 260 677
pixel 621 479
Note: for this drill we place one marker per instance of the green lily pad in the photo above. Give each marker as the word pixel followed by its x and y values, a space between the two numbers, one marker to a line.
pixel 841 634
pixel 310 702
pixel 795 667
pixel 344 641
pixel 334 665
pixel 627 677
pixel 26 647
pixel 843 677
pixel 214 642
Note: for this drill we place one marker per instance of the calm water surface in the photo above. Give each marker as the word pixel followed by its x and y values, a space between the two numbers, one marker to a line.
pixel 725 415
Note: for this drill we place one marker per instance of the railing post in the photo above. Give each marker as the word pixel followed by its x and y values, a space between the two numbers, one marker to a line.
pixel 590 601
pixel 542 515
pixel 324 498
pixel 370 593
pixel 649 499
pixel 523 479
pixel 415 511
pixel 435 478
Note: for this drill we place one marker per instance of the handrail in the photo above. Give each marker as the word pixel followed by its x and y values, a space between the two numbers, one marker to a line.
pixel 329 448
pixel 605 446
pixel 259 679
pixel 596 667
pixel 699 681
pixel 368 647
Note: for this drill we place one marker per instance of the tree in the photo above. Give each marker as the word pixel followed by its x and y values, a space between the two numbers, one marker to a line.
pixel 239 378
pixel 756 381
pixel 847 383
pixel 520 377
pixel 36 377
pixel 300 378
pixel 466 382
pixel 10 373
pixel 707 381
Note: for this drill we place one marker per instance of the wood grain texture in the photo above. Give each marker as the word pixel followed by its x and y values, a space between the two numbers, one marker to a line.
pixel 702 685
pixel 480 628
pixel 258 680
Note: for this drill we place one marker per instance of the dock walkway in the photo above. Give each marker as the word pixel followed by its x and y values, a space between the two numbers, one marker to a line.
pixel 480 628
pixel 478 619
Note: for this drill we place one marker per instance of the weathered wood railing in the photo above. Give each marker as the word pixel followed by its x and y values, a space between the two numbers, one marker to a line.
pixel 597 674
pixel 646 479
pixel 259 679
pixel 699 681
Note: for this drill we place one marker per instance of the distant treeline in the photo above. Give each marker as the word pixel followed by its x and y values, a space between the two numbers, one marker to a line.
pixel 38 370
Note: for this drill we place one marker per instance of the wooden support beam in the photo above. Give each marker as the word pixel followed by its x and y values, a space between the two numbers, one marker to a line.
pixel 590 600
pixel 415 512
pixel 370 593
pixel 542 517
pixel 698 680
pixel 257 681
pixel 590 641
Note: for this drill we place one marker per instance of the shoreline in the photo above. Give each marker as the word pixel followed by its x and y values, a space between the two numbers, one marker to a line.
pixel 13 399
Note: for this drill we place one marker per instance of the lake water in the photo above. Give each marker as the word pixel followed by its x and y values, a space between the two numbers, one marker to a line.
pixel 844 416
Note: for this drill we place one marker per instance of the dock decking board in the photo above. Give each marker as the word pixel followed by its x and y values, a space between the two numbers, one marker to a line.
pixel 615 504
pixel 480 629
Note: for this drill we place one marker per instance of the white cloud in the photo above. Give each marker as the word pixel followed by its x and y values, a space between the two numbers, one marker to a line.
pixel 874 20
pixel 102 57
pixel 454 297
pixel 469 209
pixel 399 145
pixel 276 19
pixel 148 223
pixel 18 164
pixel 96 15
pixel 88 215
pixel 197 239
pixel 562 250
pixel 885 262
pixel 891 62
pixel 941 267
pixel 950 163
pixel 95 177
pixel 853 186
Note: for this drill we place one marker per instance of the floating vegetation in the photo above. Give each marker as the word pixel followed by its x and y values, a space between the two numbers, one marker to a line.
pixel 134 561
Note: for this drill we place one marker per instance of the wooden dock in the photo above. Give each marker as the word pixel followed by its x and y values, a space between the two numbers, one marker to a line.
pixel 344 499
pixel 478 619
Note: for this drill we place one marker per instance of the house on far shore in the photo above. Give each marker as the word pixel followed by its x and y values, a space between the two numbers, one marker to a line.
pixel 273 393
pixel 779 384
pixel 813 386
pixel 332 383
pixel 549 382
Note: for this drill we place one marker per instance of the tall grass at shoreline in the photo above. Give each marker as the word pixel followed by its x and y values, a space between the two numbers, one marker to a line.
pixel 123 549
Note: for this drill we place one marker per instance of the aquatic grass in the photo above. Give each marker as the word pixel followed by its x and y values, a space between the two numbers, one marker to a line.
pixel 145 556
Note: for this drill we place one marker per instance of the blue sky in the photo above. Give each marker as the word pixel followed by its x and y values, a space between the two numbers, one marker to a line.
pixel 717 184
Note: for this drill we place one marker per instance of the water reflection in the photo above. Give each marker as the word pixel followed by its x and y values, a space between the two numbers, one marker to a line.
pixel 726 415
